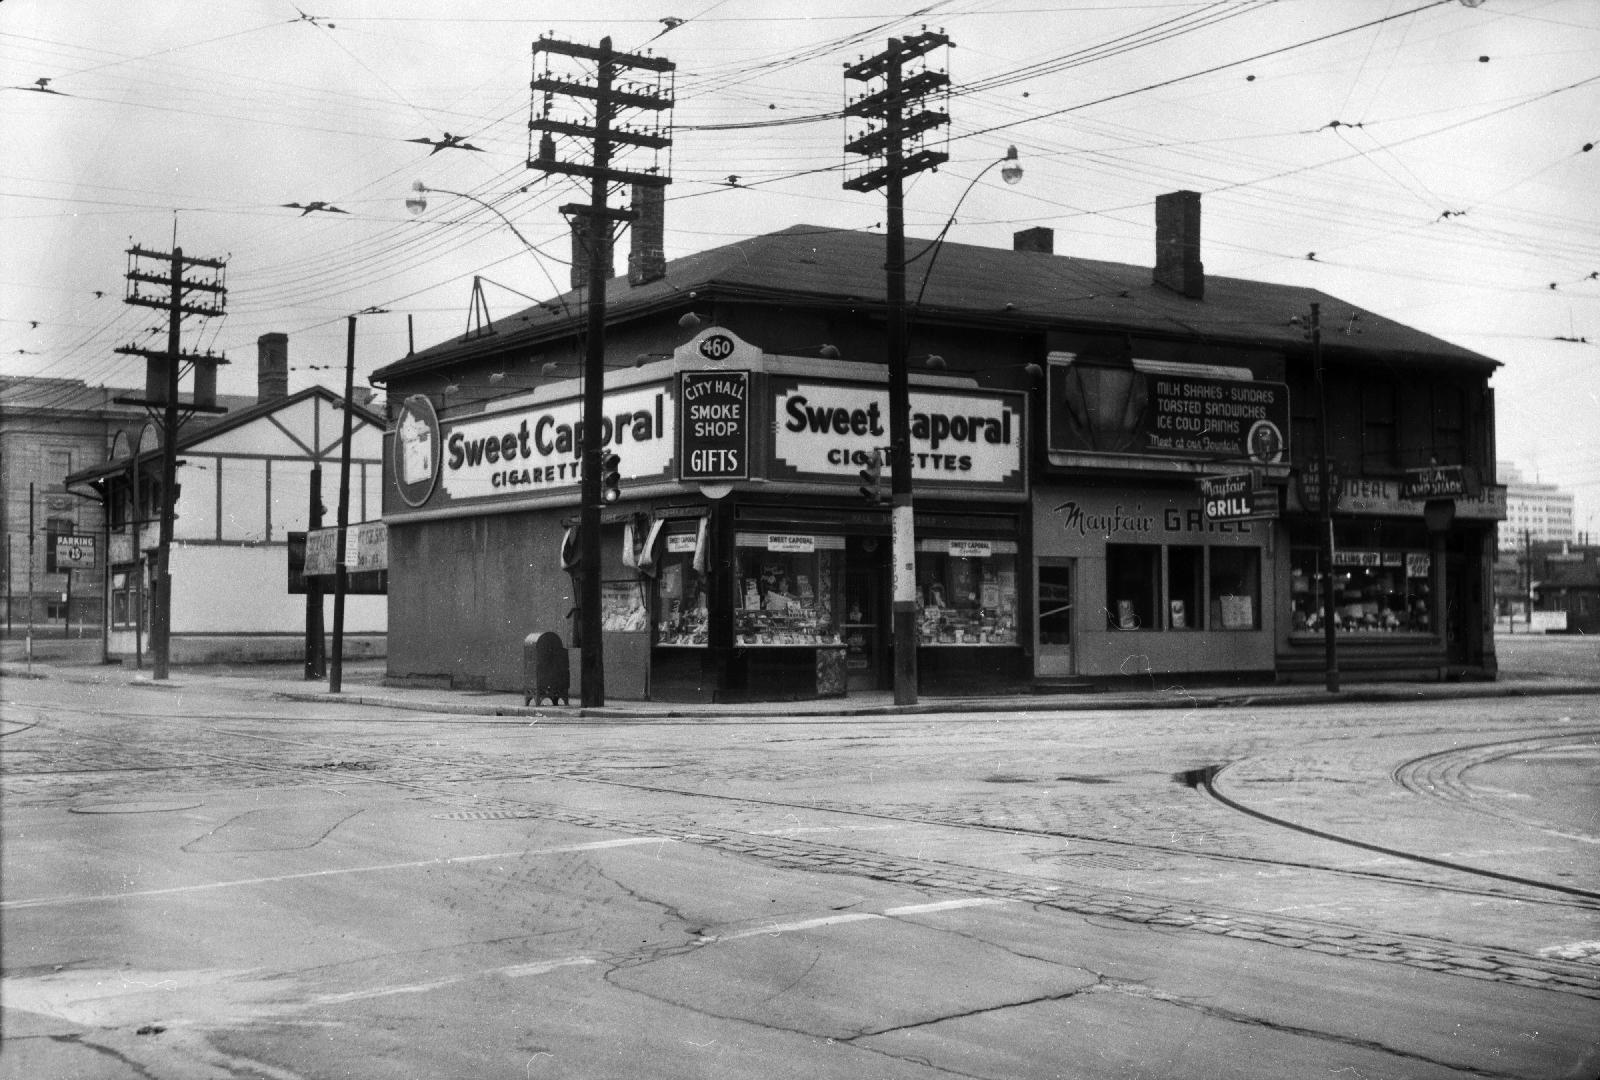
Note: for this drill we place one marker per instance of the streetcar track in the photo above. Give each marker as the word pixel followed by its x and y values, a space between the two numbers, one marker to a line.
pixel 1111 842
pixel 1157 910
pixel 1205 779
pixel 435 788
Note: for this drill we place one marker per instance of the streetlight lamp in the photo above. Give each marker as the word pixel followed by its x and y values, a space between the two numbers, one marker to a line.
pixel 417 202
pixel 1010 169
pixel 1010 172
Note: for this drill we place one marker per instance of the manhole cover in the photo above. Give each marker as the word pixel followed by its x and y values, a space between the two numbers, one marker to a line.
pixel 135 806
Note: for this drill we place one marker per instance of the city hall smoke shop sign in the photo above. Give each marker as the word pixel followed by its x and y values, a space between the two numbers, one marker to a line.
pixel 530 451
pixel 714 425
pixel 828 431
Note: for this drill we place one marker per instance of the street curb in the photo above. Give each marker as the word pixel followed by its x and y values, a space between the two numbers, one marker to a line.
pixel 1034 703
pixel 833 710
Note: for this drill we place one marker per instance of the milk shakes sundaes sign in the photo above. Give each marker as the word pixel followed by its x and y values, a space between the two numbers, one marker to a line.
pixel 958 438
pixel 528 451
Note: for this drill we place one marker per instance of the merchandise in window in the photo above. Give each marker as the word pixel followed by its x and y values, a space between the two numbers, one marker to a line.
pixel 966 599
pixel 1183 587
pixel 622 607
pixel 1375 592
pixel 1235 586
pixel 682 614
pixel 1133 586
pixel 788 590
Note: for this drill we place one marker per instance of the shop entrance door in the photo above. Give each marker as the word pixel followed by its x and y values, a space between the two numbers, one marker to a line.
pixel 865 616
pixel 1052 648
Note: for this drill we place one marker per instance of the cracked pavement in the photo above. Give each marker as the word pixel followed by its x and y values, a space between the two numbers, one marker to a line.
pixel 216 884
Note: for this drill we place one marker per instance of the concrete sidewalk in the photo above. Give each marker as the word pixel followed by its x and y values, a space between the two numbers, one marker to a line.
pixel 363 683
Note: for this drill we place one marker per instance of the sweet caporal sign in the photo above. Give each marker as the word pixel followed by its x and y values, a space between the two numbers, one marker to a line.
pixel 532 451
pixel 828 431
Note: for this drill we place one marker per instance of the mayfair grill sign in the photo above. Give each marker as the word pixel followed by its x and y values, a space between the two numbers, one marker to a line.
pixel 828 431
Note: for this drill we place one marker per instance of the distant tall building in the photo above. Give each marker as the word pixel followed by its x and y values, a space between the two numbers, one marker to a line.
pixel 1534 511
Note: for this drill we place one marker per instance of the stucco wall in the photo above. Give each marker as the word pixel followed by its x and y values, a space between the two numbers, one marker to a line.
pixel 225 589
pixel 465 592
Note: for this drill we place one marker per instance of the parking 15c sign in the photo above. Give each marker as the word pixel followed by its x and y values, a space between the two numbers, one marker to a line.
pixel 715 425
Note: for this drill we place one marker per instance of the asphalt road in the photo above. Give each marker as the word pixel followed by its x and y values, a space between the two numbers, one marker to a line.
pixel 207 881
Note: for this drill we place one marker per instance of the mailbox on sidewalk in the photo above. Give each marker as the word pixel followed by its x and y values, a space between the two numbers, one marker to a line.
pixel 545 669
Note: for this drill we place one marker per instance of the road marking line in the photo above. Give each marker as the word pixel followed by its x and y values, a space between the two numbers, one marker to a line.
pixel 797 830
pixel 53 901
pixel 947 905
pixel 519 971
pixel 804 924
pixel 515 971
pixel 863 916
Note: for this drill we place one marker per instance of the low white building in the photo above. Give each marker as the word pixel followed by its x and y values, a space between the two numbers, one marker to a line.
pixel 245 483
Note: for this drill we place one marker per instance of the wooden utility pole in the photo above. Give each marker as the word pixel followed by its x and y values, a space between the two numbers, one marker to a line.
pixel 162 371
pixel 316 659
pixel 598 126
pixel 896 121
pixel 341 573
pixel 1325 485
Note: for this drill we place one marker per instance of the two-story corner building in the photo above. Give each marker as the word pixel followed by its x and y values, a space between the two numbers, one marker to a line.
pixel 1064 415
pixel 245 484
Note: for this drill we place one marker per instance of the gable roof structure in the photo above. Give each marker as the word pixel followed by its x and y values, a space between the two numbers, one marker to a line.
pixel 965 284
pixel 219 427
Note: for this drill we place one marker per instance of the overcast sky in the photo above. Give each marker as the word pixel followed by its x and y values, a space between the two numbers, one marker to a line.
pixel 1433 156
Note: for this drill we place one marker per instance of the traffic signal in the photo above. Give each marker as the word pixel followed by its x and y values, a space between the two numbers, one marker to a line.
pixel 610 477
pixel 872 479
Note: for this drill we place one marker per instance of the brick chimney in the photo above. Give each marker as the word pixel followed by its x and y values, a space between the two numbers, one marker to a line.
pixel 1178 265
pixel 1039 239
pixel 647 258
pixel 580 250
pixel 272 367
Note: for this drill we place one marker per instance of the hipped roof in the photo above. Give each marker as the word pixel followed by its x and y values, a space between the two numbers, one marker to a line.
pixel 1029 292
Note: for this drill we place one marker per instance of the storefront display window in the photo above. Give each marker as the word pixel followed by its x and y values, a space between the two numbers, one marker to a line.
pixel 682 613
pixel 1235 587
pixel 122 600
pixel 1375 592
pixel 1184 572
pixel 788 590
pixel 1133 586
pixel 967 592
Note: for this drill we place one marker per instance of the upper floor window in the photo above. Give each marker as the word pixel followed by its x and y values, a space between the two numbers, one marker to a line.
pixel 1380 444
pixel 57 467
pixel 1378 423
